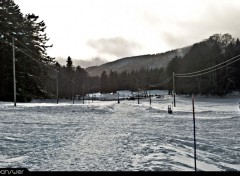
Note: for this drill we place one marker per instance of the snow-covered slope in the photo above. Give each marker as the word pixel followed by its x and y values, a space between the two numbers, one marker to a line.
pixel 105 135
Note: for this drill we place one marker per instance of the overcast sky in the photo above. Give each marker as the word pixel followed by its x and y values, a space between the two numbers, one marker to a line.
pixel 96 30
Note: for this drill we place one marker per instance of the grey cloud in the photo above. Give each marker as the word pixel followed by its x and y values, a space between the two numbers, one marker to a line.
pixel 216 18
pixel 223 19
pixel 173 40
pixel 96 61
pixel 152 19
pixel 92 62
pixel 118 47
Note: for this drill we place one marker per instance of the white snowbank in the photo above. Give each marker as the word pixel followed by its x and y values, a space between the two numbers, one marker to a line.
pixel 105 135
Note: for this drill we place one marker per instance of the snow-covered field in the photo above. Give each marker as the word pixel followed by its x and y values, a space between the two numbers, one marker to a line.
pixel 107 136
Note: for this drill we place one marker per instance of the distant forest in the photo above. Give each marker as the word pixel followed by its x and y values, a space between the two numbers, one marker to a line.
pixel 37 74
pixel 210 52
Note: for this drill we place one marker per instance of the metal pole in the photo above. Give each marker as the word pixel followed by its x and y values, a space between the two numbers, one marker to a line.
pixel 83 98
pixel 73 90
pixel 118 99
pixel 14 74
pixel 149 94
pixel 56 84
pixel 194 134
pixel 174 100
pixel 138 97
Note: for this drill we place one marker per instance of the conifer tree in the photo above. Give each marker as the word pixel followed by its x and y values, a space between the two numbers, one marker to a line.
pixel 31 43
pixel 104 82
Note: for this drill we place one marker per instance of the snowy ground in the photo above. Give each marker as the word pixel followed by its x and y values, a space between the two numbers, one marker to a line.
pixel 108 136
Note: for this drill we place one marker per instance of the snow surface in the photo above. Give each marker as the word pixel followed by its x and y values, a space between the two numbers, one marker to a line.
pixel 107 136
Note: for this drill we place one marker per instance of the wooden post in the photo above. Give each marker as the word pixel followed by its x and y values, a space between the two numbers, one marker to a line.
pixel 14 75
pixel 118 99
pixel 73 90
pixel 174 90
pixel 149 94
pixel 56 84
pixel 194 134
pixel 138 97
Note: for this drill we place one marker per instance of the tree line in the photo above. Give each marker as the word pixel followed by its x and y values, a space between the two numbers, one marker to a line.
pixel 216 49
pixel 76 80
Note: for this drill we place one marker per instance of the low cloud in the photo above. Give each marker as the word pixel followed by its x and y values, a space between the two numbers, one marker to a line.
pixel 92 62
pixel 117 47
pixel 210 18
pixel 83 63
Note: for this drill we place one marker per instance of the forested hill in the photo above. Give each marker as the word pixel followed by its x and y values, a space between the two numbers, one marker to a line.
pixel 220 52
pixel 215 62
pixel 147 62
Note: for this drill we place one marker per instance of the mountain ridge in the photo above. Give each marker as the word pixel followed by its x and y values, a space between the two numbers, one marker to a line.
pixel 147 61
